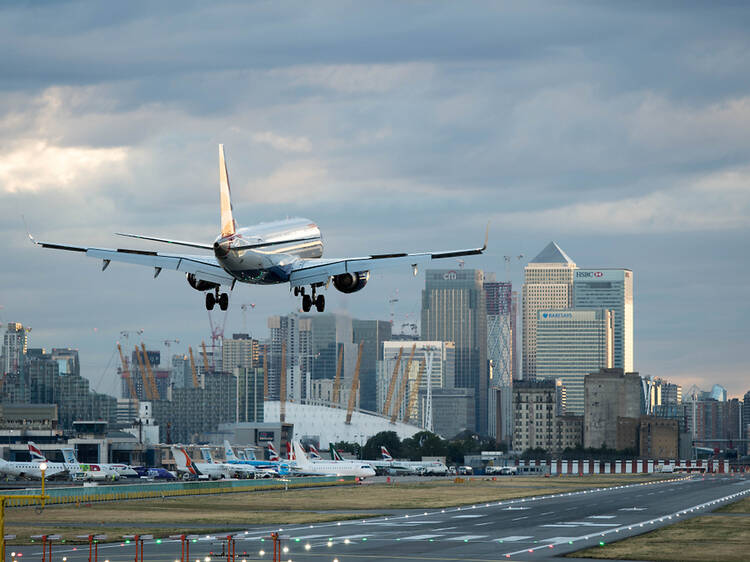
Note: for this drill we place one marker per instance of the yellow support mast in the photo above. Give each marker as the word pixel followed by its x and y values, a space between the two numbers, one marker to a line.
pixel 355 386
pixel 392 384
pixel 402 389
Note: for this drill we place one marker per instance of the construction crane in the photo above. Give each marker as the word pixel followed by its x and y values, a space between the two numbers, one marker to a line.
pixel 282 389
pixel 402 389
pixel 392 384
pixel 265 373
pixel 337 380
pixel 126 333
pixel 144 380
pixel 392 300
pixel 150 372
pixel 192 368
pixel 414 392
pixel 245 307
pixel 205 357
pixel 126 373
pixel 355 386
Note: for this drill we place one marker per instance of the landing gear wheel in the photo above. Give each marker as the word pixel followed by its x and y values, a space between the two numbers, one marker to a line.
pixel 306 303
pixel 210 301
pixel 296 291
pixel 223 301
pixel 320 303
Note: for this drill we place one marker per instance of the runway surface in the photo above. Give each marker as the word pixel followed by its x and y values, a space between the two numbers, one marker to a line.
pixel 538 528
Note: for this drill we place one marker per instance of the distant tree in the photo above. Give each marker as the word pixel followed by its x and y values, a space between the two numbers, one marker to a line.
pixel 537 453
pixel 390 439
pixel 347 447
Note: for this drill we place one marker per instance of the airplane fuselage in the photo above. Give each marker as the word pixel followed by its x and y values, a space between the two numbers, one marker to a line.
pixel 283 243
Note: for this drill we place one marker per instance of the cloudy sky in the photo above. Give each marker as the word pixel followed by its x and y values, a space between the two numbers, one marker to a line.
pixel 620 130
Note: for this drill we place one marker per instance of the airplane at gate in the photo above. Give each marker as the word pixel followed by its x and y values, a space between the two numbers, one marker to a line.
pixel 326 468
pixel 190 469
pixel 285 251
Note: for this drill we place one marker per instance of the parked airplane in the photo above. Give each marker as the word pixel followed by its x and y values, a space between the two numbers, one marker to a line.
pixel 266 469
pixel 78 471
pixel 190 469
pixel 416 467
pixel 285 251
pixel 335 455
pixel 235 470
pixel 273 454
pixel 30 470
pixel 337 468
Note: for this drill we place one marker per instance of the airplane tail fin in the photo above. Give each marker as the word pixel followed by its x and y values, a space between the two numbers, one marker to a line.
pixel 36 453
pixel 69 456
pixel 250 454
pixel 183 461
pixel 206 454
pixel 228 226
pixel 290 453
pixel 299 453
pixel 273 454
pixel 314 454
pixel 335 456
pixel 386 455
pixel 228 451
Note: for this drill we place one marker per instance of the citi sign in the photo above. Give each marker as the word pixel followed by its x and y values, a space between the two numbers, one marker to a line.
pixel 450 276
pixel 557 315
pixel 589 274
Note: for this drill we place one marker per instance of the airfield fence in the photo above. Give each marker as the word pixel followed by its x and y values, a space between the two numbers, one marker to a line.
pixel 116 492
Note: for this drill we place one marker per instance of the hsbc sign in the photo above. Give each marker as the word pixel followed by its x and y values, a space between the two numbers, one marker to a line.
pixel 600 274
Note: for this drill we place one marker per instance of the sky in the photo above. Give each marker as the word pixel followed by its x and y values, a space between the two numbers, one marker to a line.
pixel 619 130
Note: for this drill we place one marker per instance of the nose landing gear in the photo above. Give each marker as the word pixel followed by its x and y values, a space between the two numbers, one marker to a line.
pixel 222 299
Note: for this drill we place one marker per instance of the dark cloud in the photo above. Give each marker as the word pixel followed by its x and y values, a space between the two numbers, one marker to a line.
pixel 619 130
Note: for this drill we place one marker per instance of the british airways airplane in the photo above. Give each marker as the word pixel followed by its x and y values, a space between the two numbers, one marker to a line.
pixel 285 251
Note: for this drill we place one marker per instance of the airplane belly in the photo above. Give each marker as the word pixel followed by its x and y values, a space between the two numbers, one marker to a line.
pixel 256 268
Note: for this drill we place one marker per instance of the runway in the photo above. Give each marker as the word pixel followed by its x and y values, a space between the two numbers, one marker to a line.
pixel 538 528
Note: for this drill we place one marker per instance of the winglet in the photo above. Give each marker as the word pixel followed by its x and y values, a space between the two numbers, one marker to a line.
pixel 26 226
pixel 228 226
pixel 486 237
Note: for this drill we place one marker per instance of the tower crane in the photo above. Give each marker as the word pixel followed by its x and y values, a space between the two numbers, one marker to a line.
pixel 126 374
pixel 245 307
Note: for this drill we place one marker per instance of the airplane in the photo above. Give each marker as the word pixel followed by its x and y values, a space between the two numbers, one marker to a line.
pixel 325 468
pixel 290 456
pixel 335 455
pixel 30 470
pixel 416 467
pixel 284 251
pixel 237 470
pixel 190 469
pixel 98 471
pixel 266 469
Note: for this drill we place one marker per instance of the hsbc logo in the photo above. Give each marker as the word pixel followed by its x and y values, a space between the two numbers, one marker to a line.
pixel 589 274
pixel 450 276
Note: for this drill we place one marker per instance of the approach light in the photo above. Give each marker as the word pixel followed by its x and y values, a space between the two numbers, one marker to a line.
pixel 285 549
pixel 307 546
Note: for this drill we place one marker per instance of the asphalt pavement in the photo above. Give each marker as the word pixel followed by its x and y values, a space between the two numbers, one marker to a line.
pixel 538 528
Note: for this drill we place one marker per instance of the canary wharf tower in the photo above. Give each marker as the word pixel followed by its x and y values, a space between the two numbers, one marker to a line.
pixel 548 285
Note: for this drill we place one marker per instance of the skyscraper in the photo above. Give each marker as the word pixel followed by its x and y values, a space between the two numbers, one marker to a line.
pixel 500 355
pixel 611 289
pixel 15 343
pixel 548 285
pixel 453 309
pixel 570 345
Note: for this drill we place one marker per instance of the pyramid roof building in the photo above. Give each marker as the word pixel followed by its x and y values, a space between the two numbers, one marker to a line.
pixel 552 253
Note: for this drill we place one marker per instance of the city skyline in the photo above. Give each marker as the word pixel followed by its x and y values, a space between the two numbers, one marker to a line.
pixel 608 129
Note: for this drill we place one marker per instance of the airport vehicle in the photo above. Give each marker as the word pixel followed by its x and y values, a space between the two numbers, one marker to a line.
pixel 154 473
pixel 501 470
pixel 465 470
pixel 285 251
pixel 191 470
pixel 326 468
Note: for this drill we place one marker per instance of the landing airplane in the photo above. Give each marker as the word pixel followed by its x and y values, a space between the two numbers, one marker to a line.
pixel 285 251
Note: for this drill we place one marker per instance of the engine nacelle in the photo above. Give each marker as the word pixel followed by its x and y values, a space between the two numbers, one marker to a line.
pixel 351 282
pixel 200 284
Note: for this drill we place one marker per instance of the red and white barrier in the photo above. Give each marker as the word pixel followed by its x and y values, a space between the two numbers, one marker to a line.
pixel 640 466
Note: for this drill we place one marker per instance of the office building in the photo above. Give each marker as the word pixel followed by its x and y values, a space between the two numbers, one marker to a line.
pixel 746 420
pixel 454 309
pixel 548 285
pixel 373 333
pixel 608 395
pixel 568 433
pixel 611 289
pixel 15 344
pixel 249 394
pixel 534 405
pixel 500 356
pixel 452 411
pixel 239 351
pixel 570 344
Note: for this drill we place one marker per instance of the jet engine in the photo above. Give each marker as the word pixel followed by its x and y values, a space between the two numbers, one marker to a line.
pixel 200 284
pixel 351 282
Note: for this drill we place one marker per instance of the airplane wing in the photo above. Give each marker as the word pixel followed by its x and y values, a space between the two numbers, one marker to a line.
pixel 312 271
pixel 203 267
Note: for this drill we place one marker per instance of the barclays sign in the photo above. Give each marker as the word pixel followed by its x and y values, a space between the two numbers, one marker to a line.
pixel 556 315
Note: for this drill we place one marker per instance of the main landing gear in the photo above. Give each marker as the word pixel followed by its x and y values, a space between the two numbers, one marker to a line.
pixel 309 300
pixel 216 298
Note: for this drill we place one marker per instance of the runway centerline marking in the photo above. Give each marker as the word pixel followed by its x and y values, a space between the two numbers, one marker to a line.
pixel 515 538
pixel 467 538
